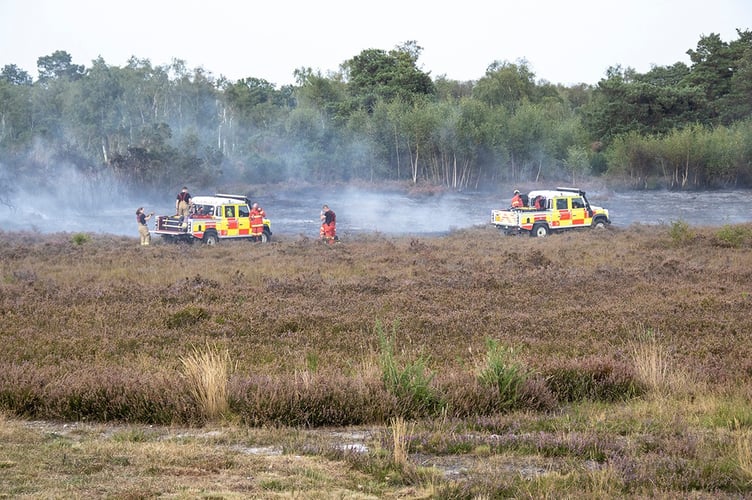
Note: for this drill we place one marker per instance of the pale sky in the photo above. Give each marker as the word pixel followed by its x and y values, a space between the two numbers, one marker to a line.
pixel 565 42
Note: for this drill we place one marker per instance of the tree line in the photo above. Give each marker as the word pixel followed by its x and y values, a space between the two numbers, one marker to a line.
pixel 382 118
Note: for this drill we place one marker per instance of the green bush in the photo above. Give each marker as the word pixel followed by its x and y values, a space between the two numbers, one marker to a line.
pixel 80 238
pixel 502 372
pixel 186 317
pixel 411 384
pixel 732 236
pixel 680 232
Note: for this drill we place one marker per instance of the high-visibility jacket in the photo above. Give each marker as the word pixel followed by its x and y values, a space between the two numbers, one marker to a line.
pixel 257 221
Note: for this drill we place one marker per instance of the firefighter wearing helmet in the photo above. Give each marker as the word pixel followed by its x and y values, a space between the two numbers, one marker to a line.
pixel 517 200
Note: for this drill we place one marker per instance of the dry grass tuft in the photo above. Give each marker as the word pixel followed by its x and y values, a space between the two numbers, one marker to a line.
pixel 207 372
pixel 744 451
pixel 401 432
pixel 651 362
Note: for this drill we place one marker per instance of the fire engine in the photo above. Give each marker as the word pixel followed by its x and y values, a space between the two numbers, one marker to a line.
pixel 551 210
pixel 212 218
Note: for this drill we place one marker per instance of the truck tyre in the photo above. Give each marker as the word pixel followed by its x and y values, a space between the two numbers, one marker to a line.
pixel 211 238
pixel 266 237
pixel 539 231
pixel 599 223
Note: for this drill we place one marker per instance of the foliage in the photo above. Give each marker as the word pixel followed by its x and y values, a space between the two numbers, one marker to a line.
pixel 503 372
pixel 382 118
pixel 80 238
pixel 186 317
pixel 734 236
pixel 411 384
pixel 680 233
pixel 593 380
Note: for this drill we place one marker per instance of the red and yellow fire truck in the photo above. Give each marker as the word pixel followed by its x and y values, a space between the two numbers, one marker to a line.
pixel 551 210
pixel 213 218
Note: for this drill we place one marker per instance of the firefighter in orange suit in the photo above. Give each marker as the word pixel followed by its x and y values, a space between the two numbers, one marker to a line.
pixel 257 221
pixel 517 200
pixel 328 231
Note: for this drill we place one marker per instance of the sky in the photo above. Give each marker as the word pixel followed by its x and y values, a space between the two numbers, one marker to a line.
pixel 564 42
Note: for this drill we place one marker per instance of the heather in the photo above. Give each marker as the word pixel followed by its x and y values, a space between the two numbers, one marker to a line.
pixel 612 363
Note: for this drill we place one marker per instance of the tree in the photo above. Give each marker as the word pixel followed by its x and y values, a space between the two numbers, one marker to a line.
pixel 58 65
pixel 506 84
pixel 15 75
pixel 375 74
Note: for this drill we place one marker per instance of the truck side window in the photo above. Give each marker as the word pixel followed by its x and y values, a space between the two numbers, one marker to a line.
pixel 230 211
pixel 578 203
pixel 243 211
pixel 561 204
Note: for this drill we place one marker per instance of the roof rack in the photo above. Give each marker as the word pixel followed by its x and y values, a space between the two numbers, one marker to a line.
pixel 233 196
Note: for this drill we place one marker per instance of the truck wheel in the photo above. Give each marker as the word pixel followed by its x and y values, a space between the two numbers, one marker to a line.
pixel 265 237
pixel 539 231
pixel 211 239
pixel 599 224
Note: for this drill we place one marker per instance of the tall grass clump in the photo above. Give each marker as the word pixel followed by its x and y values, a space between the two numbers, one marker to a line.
pixel 207 372
pixel 401 432
pixel 410 384
pixel 503 372
pixel 651 363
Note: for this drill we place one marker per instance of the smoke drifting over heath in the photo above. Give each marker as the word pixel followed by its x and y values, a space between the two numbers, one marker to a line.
pixel 72 202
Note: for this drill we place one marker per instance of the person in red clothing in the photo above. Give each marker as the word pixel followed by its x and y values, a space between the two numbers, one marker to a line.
pixel 257 221
pixel 328 231
pixel 517 200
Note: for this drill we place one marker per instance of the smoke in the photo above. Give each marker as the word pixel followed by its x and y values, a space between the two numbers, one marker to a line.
pixel 65 198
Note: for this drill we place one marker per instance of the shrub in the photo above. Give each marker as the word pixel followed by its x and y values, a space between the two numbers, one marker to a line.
pixel 595 380
pixel 410 384
pixel 80 238
pixel 502 372
pixel 732 236
pixel 186 317
pixel 320 399
pixel 680 232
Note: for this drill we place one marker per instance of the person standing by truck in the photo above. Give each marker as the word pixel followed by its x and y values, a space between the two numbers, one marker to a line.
pixel 517 200
pixel 143 229
pixel 183 202
pixel 257 221
pixel 328 231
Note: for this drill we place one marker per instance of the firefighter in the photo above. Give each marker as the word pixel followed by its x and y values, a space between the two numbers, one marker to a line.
pixel 328 231
pixel 517 200
pixel 257 221
pixel 143 229
pixel 183 202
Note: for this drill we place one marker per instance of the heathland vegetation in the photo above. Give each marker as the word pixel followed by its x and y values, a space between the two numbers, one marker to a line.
pixel 603 364
pixel 379 118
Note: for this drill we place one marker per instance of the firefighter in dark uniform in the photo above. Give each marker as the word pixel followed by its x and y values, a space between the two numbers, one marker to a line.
pixel 183 202
pixel 143 229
